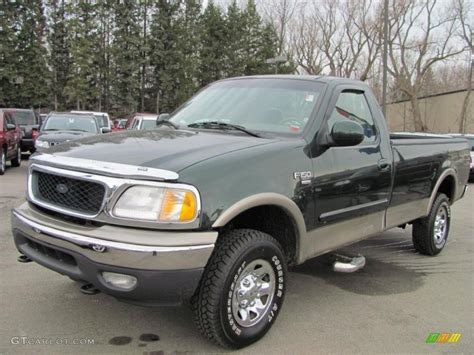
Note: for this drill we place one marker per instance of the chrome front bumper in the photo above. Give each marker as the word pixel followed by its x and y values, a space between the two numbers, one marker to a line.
pixel 118 246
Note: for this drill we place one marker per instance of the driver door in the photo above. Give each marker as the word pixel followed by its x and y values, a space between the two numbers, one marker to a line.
pixel 351 184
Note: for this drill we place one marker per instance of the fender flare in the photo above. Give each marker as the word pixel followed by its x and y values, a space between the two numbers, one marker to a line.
pixel 265 199
pixel 448 172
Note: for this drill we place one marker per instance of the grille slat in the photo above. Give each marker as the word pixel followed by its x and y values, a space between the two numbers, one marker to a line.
pixel 73 194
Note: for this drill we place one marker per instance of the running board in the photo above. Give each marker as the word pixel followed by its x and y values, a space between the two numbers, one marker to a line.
pixel 348 264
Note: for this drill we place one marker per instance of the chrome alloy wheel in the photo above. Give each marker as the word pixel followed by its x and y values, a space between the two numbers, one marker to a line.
pixel 253 293
pixel 440 226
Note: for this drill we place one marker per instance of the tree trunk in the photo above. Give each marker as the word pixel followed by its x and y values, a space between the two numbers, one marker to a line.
pixel 142 89
pixel 420 126
pixel 465 104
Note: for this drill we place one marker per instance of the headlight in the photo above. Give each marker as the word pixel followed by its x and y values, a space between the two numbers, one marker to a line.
pixel 41 144
pixel 157 204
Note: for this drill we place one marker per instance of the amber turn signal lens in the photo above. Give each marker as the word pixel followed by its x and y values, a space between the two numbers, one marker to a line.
pixel 178 206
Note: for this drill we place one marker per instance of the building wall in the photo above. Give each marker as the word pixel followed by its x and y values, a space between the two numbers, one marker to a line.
pixel 441 113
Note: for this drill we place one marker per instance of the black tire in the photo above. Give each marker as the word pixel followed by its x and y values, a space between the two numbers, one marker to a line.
pixel 213 306
pixel 16 162
pixel 425 239
pixel 3 161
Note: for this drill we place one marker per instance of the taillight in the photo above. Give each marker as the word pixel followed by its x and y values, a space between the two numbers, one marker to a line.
pixel 34 134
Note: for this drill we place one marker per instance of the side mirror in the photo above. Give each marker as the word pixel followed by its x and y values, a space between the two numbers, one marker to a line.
pixel 104 130
pixel 11 127
pixel 347 133
pixel 163 117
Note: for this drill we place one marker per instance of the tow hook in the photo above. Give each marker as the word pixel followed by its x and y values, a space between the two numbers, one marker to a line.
pixel 89 289
pixel 24 259
pixel 348 264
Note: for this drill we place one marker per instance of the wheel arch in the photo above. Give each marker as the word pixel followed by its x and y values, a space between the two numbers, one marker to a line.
pixel 253 206
pixel 447 183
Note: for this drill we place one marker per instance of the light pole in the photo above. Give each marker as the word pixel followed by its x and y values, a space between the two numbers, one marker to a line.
pixel 276 61
pixel 384 74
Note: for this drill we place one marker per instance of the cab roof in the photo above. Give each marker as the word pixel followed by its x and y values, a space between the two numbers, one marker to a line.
pixel 318 78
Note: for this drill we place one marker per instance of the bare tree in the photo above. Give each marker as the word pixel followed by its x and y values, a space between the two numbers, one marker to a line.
pixel 420 35
pixel 337 37
pixel 280 13
pixel 305 45
pixel 464 11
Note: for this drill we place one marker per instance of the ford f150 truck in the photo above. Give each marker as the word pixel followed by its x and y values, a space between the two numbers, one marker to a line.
pixel 249 176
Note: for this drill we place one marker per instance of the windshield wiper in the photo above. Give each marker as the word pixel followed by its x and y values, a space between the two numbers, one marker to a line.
pixel 77 130
pixel 222 126
pixel 166 123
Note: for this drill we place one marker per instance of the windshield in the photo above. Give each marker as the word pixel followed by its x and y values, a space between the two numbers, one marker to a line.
pixel 280 106
pixel 24 117
pixel 148 124
pixel 71 123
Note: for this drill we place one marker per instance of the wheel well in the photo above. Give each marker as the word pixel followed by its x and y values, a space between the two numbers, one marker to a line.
pixel 272 220
pixel 447 187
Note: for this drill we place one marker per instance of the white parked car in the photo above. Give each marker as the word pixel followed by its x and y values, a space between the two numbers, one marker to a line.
pixel 104 120
pixel 144 122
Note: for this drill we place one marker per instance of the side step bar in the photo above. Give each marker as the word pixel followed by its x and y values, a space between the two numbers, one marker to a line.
pixel 348 264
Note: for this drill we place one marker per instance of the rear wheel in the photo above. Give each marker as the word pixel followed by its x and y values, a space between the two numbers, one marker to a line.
pixel 242 288
pixel 17 160
pixel 3 161
pixel 431 232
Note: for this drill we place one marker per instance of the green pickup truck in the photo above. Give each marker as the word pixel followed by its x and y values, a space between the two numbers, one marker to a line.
pixel 248 177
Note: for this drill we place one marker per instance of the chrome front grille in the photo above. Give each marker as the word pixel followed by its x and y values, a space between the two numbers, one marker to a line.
pixel 82 196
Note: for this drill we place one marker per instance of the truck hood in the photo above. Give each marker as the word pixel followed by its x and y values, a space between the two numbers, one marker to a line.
pixel 62 136
pixel 164 149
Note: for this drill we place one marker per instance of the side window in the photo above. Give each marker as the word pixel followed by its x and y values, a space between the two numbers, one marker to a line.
pixel 9 119
pixel 352 105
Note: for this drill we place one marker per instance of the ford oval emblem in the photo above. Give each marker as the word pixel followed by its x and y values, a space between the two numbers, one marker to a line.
pixel 62 188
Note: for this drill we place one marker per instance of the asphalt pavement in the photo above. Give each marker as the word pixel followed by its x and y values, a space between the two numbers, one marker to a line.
pixel 390 306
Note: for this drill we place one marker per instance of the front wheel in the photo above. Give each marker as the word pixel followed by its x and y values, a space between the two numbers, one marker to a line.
pixel 242 288
pixel 431 232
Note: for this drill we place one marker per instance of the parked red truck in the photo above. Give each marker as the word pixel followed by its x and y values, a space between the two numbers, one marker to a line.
pixel 10 141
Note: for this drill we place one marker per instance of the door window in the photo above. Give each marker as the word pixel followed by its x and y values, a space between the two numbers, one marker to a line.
pixel 352 105
pixel 9 119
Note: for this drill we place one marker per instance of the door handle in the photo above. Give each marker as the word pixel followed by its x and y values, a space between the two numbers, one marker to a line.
pixel 384 165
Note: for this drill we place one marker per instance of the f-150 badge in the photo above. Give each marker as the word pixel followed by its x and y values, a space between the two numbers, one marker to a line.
pixel 303 176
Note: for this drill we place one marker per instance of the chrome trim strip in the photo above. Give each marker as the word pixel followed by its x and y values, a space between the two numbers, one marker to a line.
pixel 88 241
pixel 352 208
pixel 114 188
pixel 106 168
